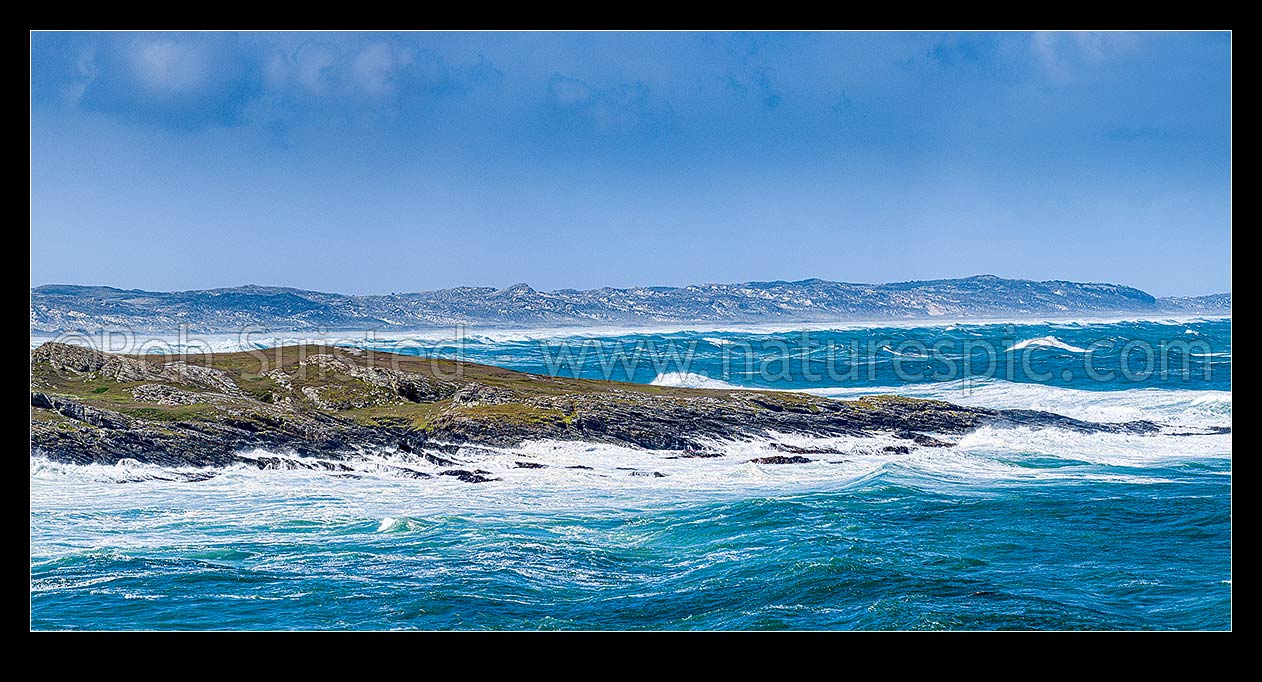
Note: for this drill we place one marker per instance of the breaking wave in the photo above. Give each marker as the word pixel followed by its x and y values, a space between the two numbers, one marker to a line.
pixel 689 380
pixel 1047 342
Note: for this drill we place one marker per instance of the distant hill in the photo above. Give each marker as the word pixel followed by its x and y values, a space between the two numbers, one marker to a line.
pixel 1213 303
pixel 58 308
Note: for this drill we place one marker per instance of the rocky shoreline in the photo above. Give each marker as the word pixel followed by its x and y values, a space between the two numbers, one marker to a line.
pixel 327 403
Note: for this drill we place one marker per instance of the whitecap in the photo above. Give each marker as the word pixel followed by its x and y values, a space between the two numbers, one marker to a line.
pixel 689 380
pixel 1047 342
pixel 1178 407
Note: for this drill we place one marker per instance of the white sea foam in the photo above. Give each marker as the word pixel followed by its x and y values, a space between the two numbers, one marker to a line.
pixel 159 510
pixel 384 490
pixel 689 380
pixel 587 475
pixel 392 524
pixel 383 483
pixel 1047 342
pixel 1113 449
pixel 124 471
pixel 1187 408
pixel 494 335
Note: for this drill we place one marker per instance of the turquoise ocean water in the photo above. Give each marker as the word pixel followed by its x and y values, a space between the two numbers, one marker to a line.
pixel 1012 528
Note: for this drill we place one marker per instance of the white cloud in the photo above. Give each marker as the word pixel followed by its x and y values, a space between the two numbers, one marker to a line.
pixel 1063 54
pixel 373 69
pixel 623 107
pixel 568 92
pixel 313 63
pixel 276 70
pixel 187 81
pixel 168 67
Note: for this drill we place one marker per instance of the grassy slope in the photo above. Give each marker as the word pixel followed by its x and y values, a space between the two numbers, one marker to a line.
pixel 517 396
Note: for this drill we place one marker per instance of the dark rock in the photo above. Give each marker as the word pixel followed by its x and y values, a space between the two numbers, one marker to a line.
pixel 781 459
pixel 1038 420
pixel 798 450
pixel 467 476
pixel 767 405
pixel 1207 431
pixel 408 473
pixel 79 412
pixel 897 449
pixel 71 423
pixel 435 459
pixel 529 465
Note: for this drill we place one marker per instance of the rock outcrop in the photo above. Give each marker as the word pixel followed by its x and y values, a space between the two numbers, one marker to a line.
pixel 88 406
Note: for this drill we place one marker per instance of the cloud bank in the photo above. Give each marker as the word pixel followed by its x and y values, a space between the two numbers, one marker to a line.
pixel 190 81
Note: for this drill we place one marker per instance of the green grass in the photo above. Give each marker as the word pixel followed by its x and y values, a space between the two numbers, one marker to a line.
pixel 43 414
pixel 536 399
pixel 876 401
pixel 408 415
pixel 519 413
pixel 171 413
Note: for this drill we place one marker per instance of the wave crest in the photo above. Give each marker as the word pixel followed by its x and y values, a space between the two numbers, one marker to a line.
pixel 689 380
pixel 1047 342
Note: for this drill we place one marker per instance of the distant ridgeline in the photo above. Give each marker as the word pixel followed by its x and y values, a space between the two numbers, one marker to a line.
pixel 62 308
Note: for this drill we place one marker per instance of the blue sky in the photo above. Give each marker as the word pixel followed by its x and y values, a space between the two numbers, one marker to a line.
pixel 376 162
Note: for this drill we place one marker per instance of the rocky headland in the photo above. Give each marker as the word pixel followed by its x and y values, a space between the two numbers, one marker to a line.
pixel 327 403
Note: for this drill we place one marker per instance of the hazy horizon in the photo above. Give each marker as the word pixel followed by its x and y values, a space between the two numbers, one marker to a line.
pixel 631 286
